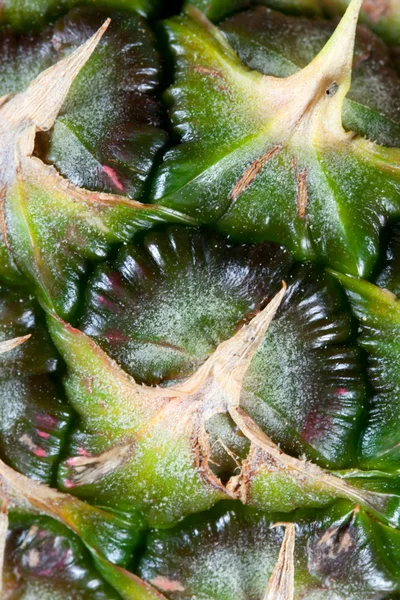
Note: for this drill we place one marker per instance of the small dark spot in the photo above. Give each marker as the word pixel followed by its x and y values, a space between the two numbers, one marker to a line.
pixel 332 89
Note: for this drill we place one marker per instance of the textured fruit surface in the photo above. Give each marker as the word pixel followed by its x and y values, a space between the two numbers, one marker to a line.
pixel 232 554
pixel 382 16
pixel 160 312
pixel 199 300
pixel 256 145
pixel 34 413
pixel 304 386
pixel 307 373
pixel 108 132
pixel 23 15
pixel 161 309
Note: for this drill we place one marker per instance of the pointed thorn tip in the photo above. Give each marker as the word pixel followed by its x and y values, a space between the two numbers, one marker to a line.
pixel 104 27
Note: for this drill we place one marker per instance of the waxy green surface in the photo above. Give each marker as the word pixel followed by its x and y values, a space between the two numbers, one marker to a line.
pixel 161 310
pixel 216 10
pixel 54 233
pixel 382 16
pixel 339 553
pixel 108 133
pixel 255 168
pixel 26 16
pixel 34 415
pixel 379 333
pixel 162 307
pixel 305 386
pixel 144 461
pixel 105 533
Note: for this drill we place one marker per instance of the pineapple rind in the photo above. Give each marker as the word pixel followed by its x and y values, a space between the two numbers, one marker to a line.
pixel 254 145
pixel 35 416
pixel 340 552
pixel 64 568
pixel 378 312
pixel 161 308
pixel 36 13
pixel 375 490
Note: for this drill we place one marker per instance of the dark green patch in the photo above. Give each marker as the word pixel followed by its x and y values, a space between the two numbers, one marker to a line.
pixel 34 417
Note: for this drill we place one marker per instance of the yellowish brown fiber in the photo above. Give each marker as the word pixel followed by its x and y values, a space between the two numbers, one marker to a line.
pixel 281 582
pixel 11 344
pixel 3 539
pixel 251 173
pixel 302 193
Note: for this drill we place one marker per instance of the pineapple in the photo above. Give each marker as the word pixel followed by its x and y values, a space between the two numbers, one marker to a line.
pixel 199 321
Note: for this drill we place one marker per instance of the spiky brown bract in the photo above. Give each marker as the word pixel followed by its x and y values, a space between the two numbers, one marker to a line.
pixel 281 583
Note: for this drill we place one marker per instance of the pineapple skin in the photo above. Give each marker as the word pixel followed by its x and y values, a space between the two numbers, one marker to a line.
pixel 199 322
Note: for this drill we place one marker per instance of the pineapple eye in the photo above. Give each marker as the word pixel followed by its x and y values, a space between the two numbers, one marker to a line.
pixel 332 89
pixel 220 283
